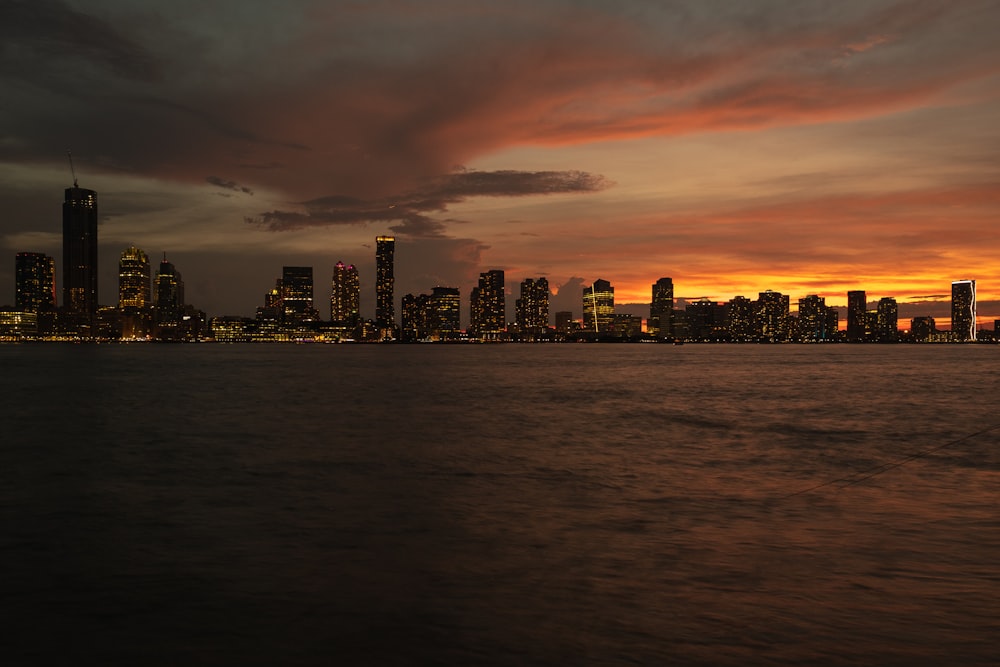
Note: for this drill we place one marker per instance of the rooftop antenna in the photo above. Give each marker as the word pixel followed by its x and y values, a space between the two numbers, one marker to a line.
pixel 71 169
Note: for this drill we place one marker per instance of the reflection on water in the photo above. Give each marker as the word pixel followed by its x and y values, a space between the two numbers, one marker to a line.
pixel 500 505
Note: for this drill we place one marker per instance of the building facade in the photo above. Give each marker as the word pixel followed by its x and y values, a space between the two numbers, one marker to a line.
pixel 385 316
pixel 34 282
pixel 80 255
pixel 488 306
pixel 133 279
pixel 532 308
pixel 598 307
pixel 661 309
pixel 963 311
pixel 345 296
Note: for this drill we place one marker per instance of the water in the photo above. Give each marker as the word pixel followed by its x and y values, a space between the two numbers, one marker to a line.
pixel 499 505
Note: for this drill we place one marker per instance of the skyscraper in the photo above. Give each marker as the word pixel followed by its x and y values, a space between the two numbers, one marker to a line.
pixel 963 310
pixel 385 249
pixel 297 294
pixel 598 307
pixel 857 308
pixel 532 309
pixel 345 296
pixel 169 302
pixel 772 315
pixel 80 254
pixel 445 312
pixel 489 305
pixel 887 320
pixel 661 309
pixel 34 282
pixel 133 279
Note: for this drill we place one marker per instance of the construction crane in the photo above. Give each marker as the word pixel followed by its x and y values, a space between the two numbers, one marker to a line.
pixel 71 169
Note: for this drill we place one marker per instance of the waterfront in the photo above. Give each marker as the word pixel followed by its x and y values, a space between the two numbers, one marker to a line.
pixel 501 505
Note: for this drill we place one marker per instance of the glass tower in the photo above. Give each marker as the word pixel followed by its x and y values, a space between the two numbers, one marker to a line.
pixel 490 304
pixel 297 294
pixel 598 307
pixel 80 254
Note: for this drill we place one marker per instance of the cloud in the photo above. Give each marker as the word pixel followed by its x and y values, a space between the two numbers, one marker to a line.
pixel 228 185
pixel 410 210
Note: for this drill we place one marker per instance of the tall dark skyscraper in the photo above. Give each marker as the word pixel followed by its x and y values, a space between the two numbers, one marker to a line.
pixel 489 305
pixel 80 254
pixel 297 294
pixel 169 303
pixel 133 279
pixel 857 309
pixel 598 307
pixel 385 316
pixel 34 282
pixel 661 309
pixel 345 295
pixel 963 310
pixel 887 320
pixel 772 315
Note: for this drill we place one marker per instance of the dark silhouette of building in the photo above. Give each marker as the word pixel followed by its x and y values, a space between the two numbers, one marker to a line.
pixel 887 320
pixel 922 329
pixel 80 256
pixel 598 307
pixel 857 309
pixel 34 282
pixel 706 320
pixel 385 317
pixel 169 300
pixel 445 316
pixel 661 309
pixel 963 310
pixel 345 296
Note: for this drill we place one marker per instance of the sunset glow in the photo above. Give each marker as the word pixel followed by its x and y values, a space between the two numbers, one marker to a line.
pixel 809 149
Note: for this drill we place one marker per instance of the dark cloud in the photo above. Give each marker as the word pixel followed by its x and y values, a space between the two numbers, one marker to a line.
pixel 228 185
pixel 51 36
pixel 410 210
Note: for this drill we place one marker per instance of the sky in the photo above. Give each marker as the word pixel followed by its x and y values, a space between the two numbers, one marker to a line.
pixel 805 147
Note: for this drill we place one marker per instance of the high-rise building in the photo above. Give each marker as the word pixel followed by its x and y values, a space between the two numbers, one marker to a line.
pixel 80 255
pixel 963 310
pixel 385 317
pixel 414 317
pixel 661 309
pixel 741 320
pixel 488 305
pixel 133 279
pixel 886 320
pixel 444 318
pixel 345 296
pixel 922 329
pixel 857 307
pixel 598 307
pixel 816 320
pixel 34 282
pixel 297 295
pixel 169 301
pixel 706 320
pixel 772 316
pixel 532 309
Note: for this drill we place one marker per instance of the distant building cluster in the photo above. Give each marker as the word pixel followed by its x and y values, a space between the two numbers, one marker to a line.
pixel 153 307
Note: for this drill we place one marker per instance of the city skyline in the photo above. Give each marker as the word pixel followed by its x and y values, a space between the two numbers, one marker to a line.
pixel 736 148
